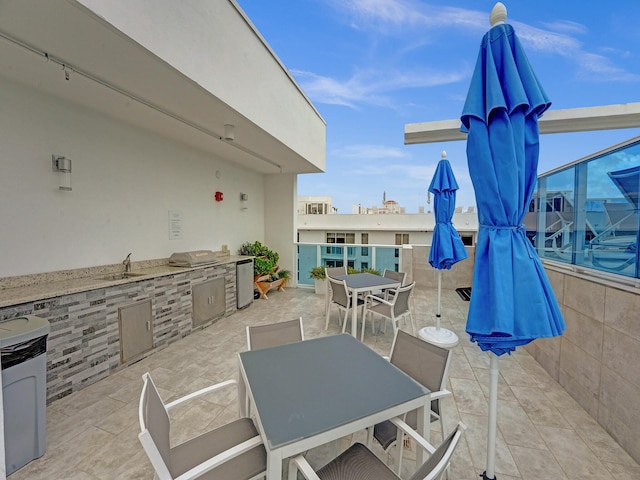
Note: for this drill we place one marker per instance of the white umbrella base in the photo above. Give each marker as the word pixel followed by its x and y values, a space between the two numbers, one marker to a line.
pixel 439 336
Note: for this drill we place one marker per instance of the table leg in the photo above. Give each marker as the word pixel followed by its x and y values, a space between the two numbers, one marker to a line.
pixel 354 314
pixel 274 465
pixel 243 399
pixel 424 429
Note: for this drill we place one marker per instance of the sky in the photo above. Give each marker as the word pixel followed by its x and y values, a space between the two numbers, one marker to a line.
pixel 372 66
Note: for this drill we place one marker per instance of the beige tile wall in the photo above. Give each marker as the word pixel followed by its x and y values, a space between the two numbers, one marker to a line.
pixel 597 359
pixel 415 262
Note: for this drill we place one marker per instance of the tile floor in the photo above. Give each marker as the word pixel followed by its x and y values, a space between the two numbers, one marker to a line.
pixel 543 433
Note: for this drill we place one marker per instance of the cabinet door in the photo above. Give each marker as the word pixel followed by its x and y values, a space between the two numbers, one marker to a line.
pixel 136 329
pixel 208 301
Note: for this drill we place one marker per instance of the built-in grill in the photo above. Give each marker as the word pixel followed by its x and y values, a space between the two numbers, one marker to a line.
pixel 195 258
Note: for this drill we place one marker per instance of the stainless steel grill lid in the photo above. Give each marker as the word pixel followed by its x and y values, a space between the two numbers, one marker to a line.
pixel 192 259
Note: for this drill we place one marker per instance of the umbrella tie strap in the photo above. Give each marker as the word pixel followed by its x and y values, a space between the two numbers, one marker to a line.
pixel 504 227
pixel 522 229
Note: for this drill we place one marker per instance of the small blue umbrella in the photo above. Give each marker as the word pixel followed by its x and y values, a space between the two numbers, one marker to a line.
pixel 512 302
pixel 446 246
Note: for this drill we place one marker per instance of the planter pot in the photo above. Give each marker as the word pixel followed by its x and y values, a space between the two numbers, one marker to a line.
pixel 264 287
pixel 320 285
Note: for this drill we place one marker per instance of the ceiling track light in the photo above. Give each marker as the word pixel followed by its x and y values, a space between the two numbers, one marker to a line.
pixel 67 69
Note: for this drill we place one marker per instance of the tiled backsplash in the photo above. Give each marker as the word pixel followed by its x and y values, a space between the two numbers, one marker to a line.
pixel 84 343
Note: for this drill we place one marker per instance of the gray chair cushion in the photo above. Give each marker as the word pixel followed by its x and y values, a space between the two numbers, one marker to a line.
pixel 263 336
pixel 445 449
pixel 385 432
pixel 424 362
pixel 356 463
pixel 202 448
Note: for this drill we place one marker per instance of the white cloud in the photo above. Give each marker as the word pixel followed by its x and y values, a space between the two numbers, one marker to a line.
pixel 599 68
pixel 566 26
pixel 400 14
pixel 369 151
pixel 404 16
pixel 546 41
pixel 370 86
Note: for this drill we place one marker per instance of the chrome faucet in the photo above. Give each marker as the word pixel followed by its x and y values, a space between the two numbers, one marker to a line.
pixel 127 264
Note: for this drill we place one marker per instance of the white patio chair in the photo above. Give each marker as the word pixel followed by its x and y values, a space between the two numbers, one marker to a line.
pixel 232 452
pixel 273 334
pixel 341 298
pixel 358 462
pixel 335 271
pixel 392 274
pixel 427 364
pixel 332 272
pixel 397 307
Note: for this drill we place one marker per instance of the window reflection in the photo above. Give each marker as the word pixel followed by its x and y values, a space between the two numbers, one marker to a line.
pixel 587 213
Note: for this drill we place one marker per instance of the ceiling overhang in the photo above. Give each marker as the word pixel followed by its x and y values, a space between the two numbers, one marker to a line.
pixel 61 48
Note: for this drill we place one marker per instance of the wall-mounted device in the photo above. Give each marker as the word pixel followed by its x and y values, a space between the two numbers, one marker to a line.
pixel 62 165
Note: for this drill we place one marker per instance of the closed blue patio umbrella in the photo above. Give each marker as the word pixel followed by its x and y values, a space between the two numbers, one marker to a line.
pixel 512 302
pixel 446 246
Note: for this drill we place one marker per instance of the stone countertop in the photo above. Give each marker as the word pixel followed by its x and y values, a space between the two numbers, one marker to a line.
pixel 67 284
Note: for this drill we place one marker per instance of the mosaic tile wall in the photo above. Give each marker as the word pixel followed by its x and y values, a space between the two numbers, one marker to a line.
pixel 84 343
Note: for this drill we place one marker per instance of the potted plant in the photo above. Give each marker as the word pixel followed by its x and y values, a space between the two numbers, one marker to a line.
pixel 266 273
pixel 319 280
pixel 283 275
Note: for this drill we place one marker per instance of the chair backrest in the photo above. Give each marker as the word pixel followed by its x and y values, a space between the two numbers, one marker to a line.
pixel 154 428
pixel 335 271
pixel 424 362
pixel 273 334
pixel 436 465
pixel 339 292
pixel 623 218
pixel 401 299
pixel 399 276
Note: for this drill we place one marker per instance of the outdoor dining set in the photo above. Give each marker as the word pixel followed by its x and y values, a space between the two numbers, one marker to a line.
pixel 296 394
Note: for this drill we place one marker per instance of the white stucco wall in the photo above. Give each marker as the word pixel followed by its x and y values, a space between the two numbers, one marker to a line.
pixel 125 181
pixel 280 220
pixel 381 228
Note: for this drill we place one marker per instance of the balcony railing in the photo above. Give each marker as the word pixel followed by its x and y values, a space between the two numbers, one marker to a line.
pixel 357 256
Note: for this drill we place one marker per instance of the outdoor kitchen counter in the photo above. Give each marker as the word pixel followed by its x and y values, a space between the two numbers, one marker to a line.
pixel 29 288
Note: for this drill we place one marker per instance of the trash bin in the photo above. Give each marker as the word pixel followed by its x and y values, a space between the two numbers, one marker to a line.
pixel 23 354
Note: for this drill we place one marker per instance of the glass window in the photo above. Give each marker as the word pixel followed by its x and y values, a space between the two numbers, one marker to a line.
pixel 587 214
pixel 402 238
pixel 339 237
pixel 364 238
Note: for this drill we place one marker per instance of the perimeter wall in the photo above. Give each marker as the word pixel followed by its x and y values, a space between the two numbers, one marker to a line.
pixel 597 358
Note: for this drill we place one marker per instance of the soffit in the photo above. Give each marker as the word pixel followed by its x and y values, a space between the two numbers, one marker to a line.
pixel 113 75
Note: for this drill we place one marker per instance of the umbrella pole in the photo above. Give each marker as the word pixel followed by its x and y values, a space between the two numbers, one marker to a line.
pixel 439 299
pixel 489 474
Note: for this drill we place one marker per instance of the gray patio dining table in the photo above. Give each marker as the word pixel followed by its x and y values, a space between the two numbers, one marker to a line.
pixel 358 283
pixel 309 393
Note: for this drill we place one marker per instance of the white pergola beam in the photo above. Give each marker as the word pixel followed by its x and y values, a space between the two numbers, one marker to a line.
pixel 608 117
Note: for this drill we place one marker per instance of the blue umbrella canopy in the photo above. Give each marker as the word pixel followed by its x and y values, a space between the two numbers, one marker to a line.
pixel 446 247
pixel 512 302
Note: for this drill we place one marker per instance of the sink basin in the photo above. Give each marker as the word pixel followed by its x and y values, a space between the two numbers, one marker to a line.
pixel 121 276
